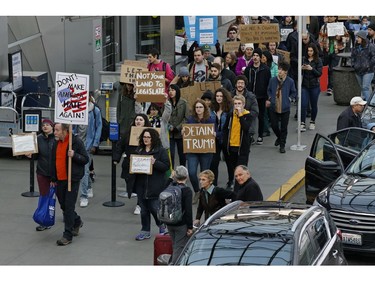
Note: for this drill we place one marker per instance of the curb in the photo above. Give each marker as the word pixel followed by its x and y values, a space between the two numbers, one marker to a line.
pixel 288 189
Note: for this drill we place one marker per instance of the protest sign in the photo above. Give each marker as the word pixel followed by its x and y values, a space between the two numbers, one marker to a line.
pixel 140 164
pixel 150 86
pixel 194 92
pixel 71 98
pixel 129 69
pixel 259 33
pixel 24 144
pixel 231 46
pixel 335 28
pixel 135 132
pixel 199 138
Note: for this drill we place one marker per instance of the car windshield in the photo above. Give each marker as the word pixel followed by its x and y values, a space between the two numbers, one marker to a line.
pixel 241 247
pixel 364 165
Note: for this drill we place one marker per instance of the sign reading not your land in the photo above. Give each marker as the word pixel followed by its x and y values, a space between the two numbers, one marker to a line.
pixel 199 138
pixel 71 98
pixel 150 86
pixel 259 33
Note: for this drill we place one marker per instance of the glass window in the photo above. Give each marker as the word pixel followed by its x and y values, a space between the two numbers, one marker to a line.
pixel 148 34
pixel 306 250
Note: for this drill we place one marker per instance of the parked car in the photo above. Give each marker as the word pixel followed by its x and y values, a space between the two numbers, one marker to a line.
pixel 330 156
pixel 349 195
pixel 265 233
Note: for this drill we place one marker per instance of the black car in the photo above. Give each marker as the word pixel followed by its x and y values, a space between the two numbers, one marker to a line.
pixel 330 156
pixel 349 195
pixel 265 233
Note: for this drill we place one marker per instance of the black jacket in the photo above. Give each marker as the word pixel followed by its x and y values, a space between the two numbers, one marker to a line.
pixel 347 119
pixel 249 191
pixel 310 78
pixel 216 200
pixel 79 160
pixel 150 186
pixel 258 80
pixel 44 156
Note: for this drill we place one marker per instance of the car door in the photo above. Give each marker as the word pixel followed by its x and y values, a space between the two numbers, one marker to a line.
pixel 322 166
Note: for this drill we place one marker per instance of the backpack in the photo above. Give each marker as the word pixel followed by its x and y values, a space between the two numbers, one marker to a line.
pixel 105 126
pixel 170 205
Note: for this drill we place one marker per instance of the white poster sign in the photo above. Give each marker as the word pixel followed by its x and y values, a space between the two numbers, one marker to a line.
pixel 71 98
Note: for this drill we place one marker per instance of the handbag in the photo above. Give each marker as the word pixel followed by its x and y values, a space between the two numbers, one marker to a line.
pixel 45 212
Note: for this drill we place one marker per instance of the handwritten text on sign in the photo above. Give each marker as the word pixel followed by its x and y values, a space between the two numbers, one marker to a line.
pixel 140 164
pixel 259 33
pixel 150 86
pixel 71 99
pixel 129 70
pixel 199 138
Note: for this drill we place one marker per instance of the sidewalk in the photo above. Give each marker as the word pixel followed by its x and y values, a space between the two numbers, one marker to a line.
pixel 107 237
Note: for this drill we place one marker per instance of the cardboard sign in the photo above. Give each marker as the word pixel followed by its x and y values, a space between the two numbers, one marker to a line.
pixel 344 18
pixel 140 164
pixel 199 138
pixel 231 46
pixel 194 92
pixel 150 86
pixel 72 98
pixel 24 144
pixel 135 132
pixel 130 68
pixel 335 28
pixel 259 33
pixel 284 54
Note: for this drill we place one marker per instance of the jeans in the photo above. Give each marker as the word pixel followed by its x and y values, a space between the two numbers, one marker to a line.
pixel 67 200
pixel 204 159
pixel 85 184
pixel 180 150
pixel 279 123
pixel 364 81
pixel 148 207
pixel 312 95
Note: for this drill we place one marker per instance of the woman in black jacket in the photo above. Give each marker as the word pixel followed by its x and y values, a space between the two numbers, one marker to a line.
pixel 149 186
pixel 311 71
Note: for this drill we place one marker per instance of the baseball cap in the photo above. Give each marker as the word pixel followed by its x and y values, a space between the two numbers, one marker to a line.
pixel 357 100
pixel 206 48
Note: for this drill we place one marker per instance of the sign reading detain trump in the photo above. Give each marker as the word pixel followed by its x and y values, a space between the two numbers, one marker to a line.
pixel 150 86
pixel 259 33
pixel 199 138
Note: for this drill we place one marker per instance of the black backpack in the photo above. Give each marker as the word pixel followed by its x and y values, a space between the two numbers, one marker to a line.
pixel 170 201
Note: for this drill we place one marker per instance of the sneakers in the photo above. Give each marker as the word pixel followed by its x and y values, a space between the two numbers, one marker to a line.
pixel 42 228
pixel 90 193
pixel 83 202
pixel 277 142
pixel 303 127
pixel 162 229
pixel 282 149
pixel 75 230
pixel 137 210
pixel 329 92
pixel 312 125
pixel 142 236
pixel 259 141
pixel 63 241
pixel 125 195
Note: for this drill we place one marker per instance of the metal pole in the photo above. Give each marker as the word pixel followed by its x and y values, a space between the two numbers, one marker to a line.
pixel 298 146
pixel 31 193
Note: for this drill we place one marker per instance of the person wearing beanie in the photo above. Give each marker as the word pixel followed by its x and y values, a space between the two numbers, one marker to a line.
pixel 363 62
pixel 259 75
pixel 182 80
pixel 43 169
pixel 245 60
pixel 371 33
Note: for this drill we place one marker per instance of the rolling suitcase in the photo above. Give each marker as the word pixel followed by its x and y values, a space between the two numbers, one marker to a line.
pixel 162 245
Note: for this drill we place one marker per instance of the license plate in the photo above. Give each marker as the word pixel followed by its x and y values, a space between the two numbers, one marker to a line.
pixel 353 239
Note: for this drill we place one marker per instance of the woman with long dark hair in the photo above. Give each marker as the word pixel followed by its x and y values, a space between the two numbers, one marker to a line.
pixel 311 71
pixel 221 105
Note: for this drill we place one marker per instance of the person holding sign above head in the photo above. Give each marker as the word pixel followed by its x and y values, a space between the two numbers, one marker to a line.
pixel 125 149
pixel 59 177
pixel 236 138
pixel 182 80
pixel 201 115
pixel 156 64
pixel 149 186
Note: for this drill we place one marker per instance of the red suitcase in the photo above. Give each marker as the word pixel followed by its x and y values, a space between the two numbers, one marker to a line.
pixel 162 245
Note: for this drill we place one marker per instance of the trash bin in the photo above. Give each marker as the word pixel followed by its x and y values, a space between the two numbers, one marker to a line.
pixel 345 85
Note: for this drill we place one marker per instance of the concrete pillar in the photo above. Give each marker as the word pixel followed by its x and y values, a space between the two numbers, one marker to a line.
pixel 4 73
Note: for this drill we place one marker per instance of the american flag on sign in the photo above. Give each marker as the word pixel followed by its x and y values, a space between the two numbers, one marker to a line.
pixel 75 102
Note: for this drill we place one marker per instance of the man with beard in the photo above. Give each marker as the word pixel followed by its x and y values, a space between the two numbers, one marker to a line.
pixel 215 75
